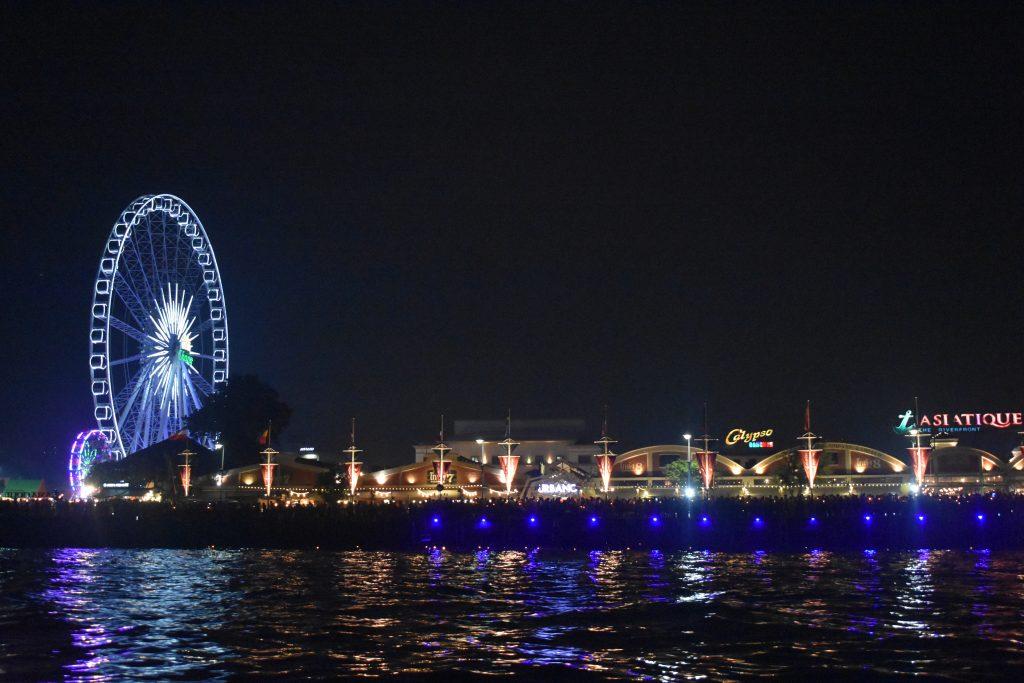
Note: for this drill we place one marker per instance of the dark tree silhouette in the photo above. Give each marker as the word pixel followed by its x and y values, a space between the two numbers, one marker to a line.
pixel 156 465
pixel 237 415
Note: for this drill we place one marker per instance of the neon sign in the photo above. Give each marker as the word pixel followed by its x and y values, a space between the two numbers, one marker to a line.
pixel 751 439
pixel 959 422
pixel 561 488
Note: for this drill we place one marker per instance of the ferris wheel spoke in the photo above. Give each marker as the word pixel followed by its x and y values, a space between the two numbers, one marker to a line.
pixel 130 298
pixel 131 387
pixel 143 416
pixel 128 329
pixel 141 381
pixel 204 326
pixel 200 382
pixel 128 359
pixel 150 290
pixel 192 392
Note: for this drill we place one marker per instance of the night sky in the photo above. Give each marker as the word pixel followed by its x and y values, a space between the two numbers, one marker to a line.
pixel 547 207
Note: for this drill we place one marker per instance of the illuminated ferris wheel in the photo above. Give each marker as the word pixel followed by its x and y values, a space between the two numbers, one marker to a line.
pixel 159 328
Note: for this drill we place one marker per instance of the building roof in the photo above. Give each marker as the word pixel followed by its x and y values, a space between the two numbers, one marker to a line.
pixel 24 486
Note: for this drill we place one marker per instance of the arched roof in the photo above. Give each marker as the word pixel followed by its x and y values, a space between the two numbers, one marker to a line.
pixel 984 455
pixel 722 460
pixel 896 464
pixel 1016 458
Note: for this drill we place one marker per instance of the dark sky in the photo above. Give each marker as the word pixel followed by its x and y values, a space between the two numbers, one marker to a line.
pixel 421 208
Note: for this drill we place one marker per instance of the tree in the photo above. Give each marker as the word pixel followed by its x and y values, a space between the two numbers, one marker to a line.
pixel 237 415
pixel 157 465
pixel 790 470
pixel 676 471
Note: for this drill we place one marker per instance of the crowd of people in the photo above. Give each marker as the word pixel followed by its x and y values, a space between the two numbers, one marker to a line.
pixel 990 520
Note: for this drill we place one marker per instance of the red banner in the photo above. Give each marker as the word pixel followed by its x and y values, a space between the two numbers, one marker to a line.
pixel 509 464
pixel 810 459
pixel 919 461
pixel 186 477
pixel 706 464
pixel 354 470
pixel 268 475
pixel 605 463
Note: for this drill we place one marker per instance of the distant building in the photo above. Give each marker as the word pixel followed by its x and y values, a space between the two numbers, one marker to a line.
pixel 23 488
pixel 541 442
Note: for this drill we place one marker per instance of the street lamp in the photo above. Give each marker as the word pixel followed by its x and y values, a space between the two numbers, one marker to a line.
pixel 689 464
pixel 483 456
pixel 219 479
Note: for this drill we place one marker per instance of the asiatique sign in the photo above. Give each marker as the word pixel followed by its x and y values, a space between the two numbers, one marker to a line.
pixel 959 422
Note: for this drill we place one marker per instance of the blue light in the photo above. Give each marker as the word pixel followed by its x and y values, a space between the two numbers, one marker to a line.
pixel 867 519
pixel 705 520
pixel 533 520
pixel 483 523
pixel 436 521
pixel 758 522
pixel 655 520
pixel 813 521
pixel 593 521
pixel 981 518
pixel 920 519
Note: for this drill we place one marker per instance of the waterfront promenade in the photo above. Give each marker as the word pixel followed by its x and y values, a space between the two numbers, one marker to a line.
pixel 841 522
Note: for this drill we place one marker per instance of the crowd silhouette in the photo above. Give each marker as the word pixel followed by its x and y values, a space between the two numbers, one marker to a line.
pixel 769 523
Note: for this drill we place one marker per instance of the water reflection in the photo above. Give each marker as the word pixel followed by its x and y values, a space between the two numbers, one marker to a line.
pixel 913 593
pixel 214 615
pixel 138 613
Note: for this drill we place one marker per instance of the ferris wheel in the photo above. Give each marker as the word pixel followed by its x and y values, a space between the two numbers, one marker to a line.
pixel 159 328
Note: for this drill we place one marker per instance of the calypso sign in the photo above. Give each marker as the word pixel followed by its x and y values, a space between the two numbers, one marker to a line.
pixel 959 422
pixel 751 439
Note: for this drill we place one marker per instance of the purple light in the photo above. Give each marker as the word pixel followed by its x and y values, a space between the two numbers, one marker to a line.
pixel 89 448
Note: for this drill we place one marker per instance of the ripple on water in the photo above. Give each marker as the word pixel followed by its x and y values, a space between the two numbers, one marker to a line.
pixel 95 615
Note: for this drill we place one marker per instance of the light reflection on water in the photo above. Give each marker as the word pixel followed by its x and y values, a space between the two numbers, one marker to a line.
pixel 96 615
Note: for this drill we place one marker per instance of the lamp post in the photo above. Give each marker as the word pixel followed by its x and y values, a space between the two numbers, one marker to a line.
pixel 220 475
pixel 689 464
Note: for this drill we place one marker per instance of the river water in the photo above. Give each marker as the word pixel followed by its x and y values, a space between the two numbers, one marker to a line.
pixel 225 614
